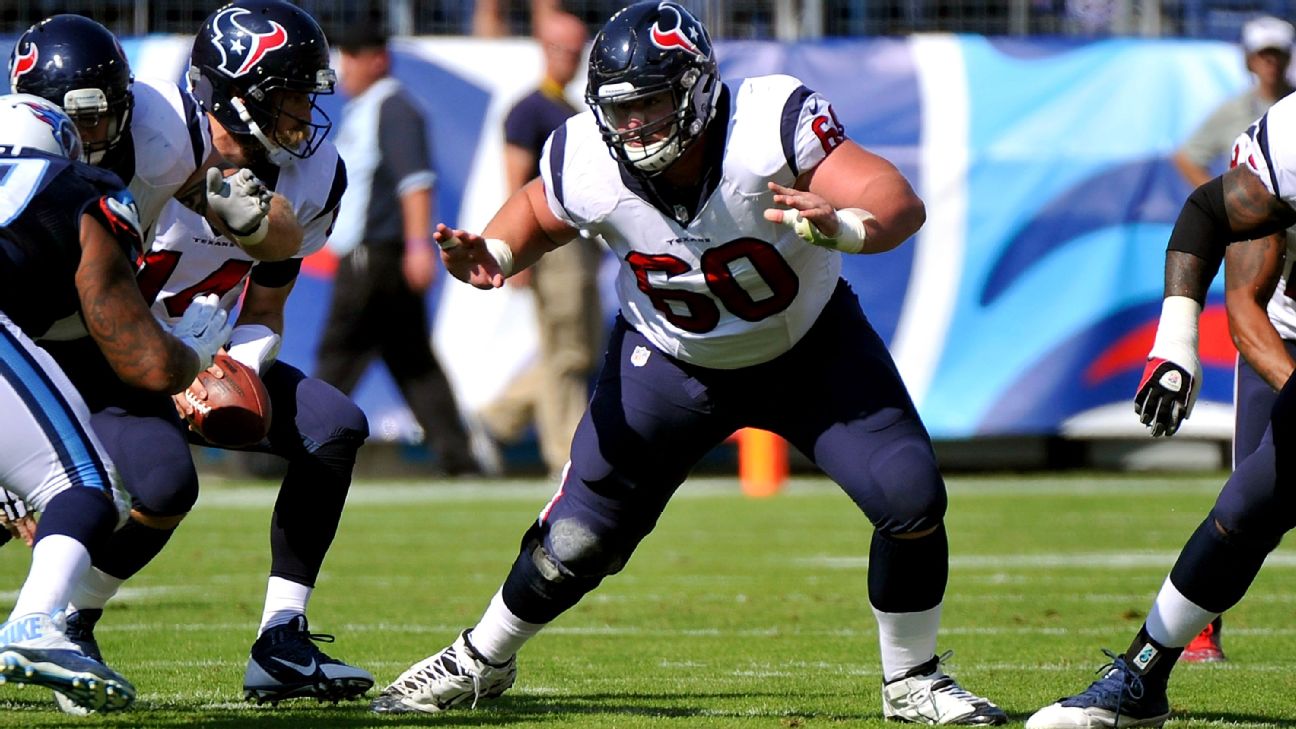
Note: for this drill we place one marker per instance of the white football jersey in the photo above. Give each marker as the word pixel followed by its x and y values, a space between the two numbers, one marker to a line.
pixel 187 258
pixel 724 288
pixel 171 138
pixel 1272 157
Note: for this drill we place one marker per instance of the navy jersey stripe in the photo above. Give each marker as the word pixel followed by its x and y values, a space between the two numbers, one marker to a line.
pixel 194 122
pixel 788 125
pixel 1262 139
pixel 335 192
pixel 557 150
pixel 56 418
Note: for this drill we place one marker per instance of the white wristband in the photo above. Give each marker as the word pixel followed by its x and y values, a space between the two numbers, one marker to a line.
pixel 254 346
pixel 1176 336
pixel 503 255
pixel 851 232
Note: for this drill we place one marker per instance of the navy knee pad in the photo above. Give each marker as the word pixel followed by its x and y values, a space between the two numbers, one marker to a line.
pixel 1216 568
pixel 908 575
pixel 914 491
pixel 326 416
pixel 82 513
pixel 540 587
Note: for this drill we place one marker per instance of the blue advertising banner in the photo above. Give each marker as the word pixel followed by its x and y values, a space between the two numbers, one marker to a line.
pixel 1027 303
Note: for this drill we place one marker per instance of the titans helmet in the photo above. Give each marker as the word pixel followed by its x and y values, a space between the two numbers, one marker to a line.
pixel 247 58
pixel 30 122
pixel 77 64
pixel 653 54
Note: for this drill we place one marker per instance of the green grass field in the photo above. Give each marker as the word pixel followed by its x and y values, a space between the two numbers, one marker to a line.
pixel 734 613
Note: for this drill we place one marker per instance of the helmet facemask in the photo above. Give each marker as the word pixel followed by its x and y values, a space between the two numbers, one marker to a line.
pixel 261 107
pixel 87 107
pixel 656 142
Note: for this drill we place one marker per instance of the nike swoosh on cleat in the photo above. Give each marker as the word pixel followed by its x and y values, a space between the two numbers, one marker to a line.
pixel 305 669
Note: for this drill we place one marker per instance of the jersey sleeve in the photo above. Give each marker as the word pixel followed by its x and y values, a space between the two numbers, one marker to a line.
pixel 315 232
pixel 404 144
pixel 809 130
pixel 1268 148
pixel 553 172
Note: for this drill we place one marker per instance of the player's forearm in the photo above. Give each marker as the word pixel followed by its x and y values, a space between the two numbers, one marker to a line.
pixel 526 225
pixel 284 239
pixel 897 220
pixel 1259 344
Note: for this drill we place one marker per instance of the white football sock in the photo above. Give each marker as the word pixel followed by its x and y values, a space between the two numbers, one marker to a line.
pixel 94 590
pixel 1174 619
pixel 500 634
pixel 58 562
pixel 908 640
pixel 284 599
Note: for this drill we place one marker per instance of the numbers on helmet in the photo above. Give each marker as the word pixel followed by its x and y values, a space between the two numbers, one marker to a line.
pixel 699 313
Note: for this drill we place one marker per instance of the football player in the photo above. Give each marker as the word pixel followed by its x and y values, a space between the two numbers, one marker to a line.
pixel 68 233
pixel 149 131
pixel 1251 202
pixel 730 208
pixel 256 67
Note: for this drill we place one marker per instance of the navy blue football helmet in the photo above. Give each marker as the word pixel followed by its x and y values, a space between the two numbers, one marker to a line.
pixel 248 56
pixel 649 49
pixel 78 64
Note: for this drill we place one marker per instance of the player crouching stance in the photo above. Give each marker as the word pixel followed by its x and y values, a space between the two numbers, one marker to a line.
pixel 67 240
pixel 725 298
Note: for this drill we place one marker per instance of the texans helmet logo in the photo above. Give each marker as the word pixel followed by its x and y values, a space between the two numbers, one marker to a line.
pixel 22 63
pixel 674 36
pixel 242 49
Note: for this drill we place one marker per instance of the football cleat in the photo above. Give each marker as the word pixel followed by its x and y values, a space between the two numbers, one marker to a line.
pixel 456 675
pixel 1119 699
pixel 35 651
pixel 927 695
pixel 80 630
pixel 1206 647
pixel 285 664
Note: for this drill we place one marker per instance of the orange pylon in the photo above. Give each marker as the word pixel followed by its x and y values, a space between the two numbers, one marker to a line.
pixel 762 462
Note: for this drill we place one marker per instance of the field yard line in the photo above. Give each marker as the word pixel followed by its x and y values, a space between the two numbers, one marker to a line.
pixel 379 492
pixel 636 631
pixel 1048 560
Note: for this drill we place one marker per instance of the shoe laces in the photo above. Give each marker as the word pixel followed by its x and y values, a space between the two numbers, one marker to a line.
pixel 444 665
pixel 1118 680
pixel 297 640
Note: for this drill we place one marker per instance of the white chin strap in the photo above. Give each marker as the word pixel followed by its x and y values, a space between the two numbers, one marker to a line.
pixel 278 156
pixel 655 157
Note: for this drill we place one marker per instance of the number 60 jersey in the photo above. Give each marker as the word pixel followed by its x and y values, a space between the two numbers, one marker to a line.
pixel 711 283
pixel 188 259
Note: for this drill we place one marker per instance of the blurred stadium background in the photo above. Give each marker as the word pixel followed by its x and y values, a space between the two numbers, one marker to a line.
pixel 1038 131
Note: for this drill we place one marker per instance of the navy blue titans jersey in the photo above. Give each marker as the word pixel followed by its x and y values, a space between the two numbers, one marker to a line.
pixel 42 199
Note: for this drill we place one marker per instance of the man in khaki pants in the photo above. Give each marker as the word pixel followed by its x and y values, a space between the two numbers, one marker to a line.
pixel 555 390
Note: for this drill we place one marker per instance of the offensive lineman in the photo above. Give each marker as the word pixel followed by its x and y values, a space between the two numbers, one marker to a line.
pixel 68 233
pixel 719 300
pixel 256 68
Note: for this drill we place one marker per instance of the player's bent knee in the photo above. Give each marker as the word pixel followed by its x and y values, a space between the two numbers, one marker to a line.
pixel 326 416
pixel 154 521
pixel 1254 532
pixel 581 551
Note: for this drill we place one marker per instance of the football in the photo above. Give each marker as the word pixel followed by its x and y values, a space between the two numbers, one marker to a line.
pixel 236 411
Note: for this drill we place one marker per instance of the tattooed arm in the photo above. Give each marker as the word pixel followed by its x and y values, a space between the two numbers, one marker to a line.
pixel 140 351
pixel 1251 271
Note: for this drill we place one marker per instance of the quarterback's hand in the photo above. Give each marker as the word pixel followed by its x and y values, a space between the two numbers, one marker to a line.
pixel 468 257
pixel 16 519
pixel 241 201
pixel 203 328
pixel 1167 393
pixel 805 206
